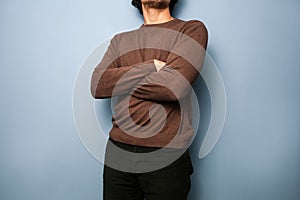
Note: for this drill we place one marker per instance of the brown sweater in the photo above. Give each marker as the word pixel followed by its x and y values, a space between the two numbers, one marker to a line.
pixel 152 107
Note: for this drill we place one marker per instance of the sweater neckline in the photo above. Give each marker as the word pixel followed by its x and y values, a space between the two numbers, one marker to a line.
pixel 160 24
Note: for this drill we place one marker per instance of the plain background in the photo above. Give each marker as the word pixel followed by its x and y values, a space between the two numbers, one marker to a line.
pixel 255 44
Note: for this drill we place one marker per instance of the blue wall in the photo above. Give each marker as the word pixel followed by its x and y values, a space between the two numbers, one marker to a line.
pixel 254 43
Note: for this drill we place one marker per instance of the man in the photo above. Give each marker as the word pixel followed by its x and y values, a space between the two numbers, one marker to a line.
pixel 149 71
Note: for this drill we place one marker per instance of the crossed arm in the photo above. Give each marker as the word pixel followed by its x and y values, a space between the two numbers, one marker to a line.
pixel 153 79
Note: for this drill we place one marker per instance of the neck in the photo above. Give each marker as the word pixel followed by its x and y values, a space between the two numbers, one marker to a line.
pixel 155 16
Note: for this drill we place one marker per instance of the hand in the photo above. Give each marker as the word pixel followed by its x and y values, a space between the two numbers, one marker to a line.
pixel 159 64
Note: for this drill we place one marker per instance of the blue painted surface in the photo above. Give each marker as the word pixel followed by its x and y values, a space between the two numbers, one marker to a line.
pixel 254 43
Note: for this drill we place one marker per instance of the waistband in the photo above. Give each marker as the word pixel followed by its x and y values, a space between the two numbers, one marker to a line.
pixel 134 148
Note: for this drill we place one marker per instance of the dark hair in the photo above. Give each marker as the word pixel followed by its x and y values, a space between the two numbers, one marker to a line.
pixel 138 5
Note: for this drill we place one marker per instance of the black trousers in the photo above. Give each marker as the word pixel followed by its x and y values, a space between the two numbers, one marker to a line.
pixel 171 182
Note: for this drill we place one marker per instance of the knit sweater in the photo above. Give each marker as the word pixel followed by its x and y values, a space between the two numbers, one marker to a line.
pixel 152 108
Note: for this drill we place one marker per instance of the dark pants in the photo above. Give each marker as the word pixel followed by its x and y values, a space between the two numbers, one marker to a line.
pixel 171 182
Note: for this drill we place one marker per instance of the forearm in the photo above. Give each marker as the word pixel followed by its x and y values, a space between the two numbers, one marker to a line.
pixel 166 85
pixel 106 83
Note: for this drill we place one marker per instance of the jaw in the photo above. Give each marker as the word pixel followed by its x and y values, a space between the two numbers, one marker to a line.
pixel 156 4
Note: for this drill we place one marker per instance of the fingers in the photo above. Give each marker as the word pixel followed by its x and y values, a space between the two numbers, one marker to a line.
pixel 159 64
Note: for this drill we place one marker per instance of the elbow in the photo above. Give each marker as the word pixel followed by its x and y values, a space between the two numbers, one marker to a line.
pixel 96 92
pixel 93 85
pixel 96 88
pixel 176 93
pixel 98 95
pixel 169 95
pixel 93 91
pixel 173 97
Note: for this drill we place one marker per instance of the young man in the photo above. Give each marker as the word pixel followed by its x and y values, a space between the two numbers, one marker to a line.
pixel 149 71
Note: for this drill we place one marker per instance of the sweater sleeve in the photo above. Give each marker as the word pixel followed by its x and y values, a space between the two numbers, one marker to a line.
pixel 182 67
pixel 108 76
